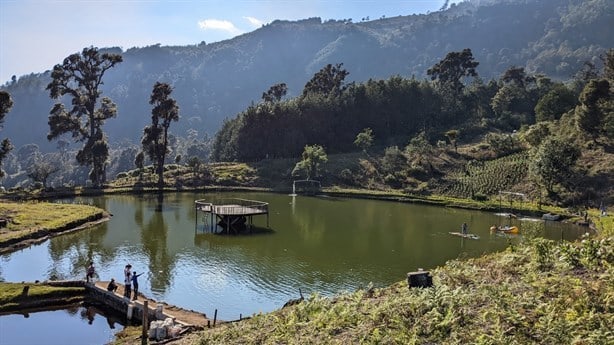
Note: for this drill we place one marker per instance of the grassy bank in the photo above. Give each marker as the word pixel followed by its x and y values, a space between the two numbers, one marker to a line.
pixel 540 292
pixel 26 221
pixel 12 297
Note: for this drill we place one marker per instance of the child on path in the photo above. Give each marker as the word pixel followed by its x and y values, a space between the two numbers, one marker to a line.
pixel 89 275
pixel 135 285
pixel 112 286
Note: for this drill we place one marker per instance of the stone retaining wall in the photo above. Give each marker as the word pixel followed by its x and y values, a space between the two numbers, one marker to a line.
pixel 132 309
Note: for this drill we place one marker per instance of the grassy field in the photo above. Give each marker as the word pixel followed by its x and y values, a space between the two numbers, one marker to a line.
pixel 11 294
pixel 27 219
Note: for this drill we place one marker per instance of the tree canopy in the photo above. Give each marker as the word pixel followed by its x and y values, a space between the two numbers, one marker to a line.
pixel 595 101
pixel 450 71
pixel 6 103
pixel 312 159
pixel 554 162
pixel 364 139
pixel 275 93
pixel 155 140
pixel 80 78
pixel 328 81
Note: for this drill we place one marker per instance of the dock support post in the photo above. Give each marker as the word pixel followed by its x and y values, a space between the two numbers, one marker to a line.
pixel 144 335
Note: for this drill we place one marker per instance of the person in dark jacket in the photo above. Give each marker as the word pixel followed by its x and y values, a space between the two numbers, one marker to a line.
pixel 112 285
pixel 135 285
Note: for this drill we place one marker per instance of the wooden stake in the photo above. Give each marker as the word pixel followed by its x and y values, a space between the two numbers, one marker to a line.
pixel 214 317
pixel 144 335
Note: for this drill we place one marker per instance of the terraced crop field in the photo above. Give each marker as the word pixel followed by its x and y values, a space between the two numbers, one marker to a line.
pixel 489 177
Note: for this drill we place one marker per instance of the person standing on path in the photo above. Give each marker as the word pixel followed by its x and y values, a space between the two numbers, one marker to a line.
pixel 127 280
pixel 135 285
pixel 127 285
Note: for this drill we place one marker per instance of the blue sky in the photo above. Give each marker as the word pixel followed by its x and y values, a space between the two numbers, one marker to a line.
pixel 37 34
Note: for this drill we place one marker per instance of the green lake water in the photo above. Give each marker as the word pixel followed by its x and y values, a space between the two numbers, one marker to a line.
pixel 321 245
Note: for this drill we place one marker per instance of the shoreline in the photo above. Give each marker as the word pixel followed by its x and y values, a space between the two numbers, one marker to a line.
pixel 30 297
pixel 22 242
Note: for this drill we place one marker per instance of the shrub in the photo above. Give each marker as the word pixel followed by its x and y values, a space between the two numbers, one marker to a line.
pixel 346 175
pixel 393 180
pixel 171 167
pixel 479 197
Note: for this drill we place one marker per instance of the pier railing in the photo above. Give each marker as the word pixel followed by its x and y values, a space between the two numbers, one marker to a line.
pixel 232 206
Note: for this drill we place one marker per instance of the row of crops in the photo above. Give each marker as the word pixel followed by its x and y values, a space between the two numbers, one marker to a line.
pixel 488 177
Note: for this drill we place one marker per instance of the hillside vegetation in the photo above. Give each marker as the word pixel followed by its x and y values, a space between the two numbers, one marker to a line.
pixel 493 71
pixel 215 81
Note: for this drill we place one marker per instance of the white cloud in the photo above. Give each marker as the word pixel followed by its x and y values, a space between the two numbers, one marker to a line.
pixel 254 21
pixel 216 24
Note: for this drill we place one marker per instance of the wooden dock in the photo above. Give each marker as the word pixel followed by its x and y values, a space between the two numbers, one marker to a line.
pixel 230 214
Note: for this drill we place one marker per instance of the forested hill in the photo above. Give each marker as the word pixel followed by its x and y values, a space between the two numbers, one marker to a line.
pixel 216 81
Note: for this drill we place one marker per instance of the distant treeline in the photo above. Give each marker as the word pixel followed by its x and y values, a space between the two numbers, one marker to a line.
pixel 212 81
pixel 396 110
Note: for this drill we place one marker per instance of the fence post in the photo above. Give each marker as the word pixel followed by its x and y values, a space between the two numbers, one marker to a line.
pixel 144 335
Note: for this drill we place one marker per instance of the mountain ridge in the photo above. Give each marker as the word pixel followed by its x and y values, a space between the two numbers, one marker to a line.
pixel 215 81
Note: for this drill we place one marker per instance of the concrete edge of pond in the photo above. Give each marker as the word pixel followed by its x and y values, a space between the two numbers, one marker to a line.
pixel 71 292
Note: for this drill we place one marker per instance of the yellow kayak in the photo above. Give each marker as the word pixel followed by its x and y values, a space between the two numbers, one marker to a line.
pixel 505 229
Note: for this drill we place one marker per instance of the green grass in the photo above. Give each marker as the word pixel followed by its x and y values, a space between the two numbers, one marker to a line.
pixel 27 218
pixel 605 225
pixel 10 293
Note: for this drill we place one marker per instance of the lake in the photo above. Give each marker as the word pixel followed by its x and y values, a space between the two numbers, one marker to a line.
pixel 321 245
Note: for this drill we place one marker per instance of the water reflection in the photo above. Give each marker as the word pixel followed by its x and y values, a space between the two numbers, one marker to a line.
pixel 79 324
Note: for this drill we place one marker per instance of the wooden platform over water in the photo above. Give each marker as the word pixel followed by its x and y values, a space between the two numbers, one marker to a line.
pixel 232 214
